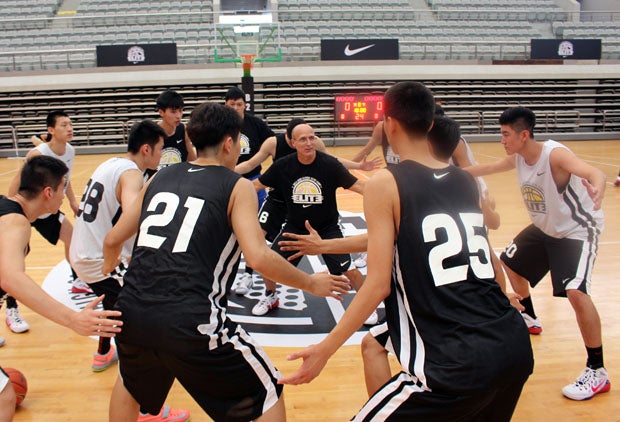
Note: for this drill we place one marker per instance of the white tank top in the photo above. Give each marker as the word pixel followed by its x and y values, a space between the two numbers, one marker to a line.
pixel 566 214
pixel 68 157
pixel 99 210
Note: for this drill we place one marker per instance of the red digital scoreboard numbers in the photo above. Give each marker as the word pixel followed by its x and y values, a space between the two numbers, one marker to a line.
pixel 358 108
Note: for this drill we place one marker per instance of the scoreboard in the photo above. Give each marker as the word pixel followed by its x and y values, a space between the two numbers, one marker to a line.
pixel 358 108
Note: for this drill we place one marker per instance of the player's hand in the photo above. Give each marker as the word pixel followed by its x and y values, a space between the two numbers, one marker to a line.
pixel 515 299
pixel 375 163
pixel 314 358
pixel 594 193
pixel 328 285
pixel 91 322
pixel 304 244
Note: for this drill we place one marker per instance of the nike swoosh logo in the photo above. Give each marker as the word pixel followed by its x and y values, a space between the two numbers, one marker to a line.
pixel 540 174
pixel 439 176
pixel 179 141
pixel 349 52
pixel 344 264
pixel 306 205
pixel 192 170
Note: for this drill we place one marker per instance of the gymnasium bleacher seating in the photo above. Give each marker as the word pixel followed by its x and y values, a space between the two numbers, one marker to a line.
pixel 38 38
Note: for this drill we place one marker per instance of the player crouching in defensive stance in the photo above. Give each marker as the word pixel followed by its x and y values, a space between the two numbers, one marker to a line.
pixel 194 221
pixel 464 350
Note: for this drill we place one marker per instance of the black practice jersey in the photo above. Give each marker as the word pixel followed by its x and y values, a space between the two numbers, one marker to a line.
pixel 175 149
pixel 254 133
pixel 309 190
pixel 186 255
pixel 449 322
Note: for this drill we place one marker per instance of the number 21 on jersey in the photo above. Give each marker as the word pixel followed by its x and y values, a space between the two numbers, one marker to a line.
pixel 454 244
pixel 171 203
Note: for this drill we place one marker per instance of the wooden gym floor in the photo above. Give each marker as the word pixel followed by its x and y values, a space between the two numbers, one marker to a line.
pixel 62 386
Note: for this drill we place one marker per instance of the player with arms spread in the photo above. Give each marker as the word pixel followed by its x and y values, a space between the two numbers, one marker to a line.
pixel 464 350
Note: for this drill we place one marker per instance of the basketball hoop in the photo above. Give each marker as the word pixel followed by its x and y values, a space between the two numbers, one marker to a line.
pixel 247 61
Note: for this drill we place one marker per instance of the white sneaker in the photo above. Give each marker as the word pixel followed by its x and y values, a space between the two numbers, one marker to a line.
pixel 360 262
pixel 80 286
pixel 15 321
pixel 245 283
pixel 590 383
pixel 2 341
pixel 372 319
pixel 266 304
pixel 533 324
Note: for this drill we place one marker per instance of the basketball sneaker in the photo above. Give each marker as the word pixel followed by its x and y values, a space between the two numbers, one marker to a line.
pixel 533 324
pixel 617 182
pixel 15 321
pixel 266 304
pixel 167 414
pixel 245 283
pixel 2 341
pixel 80 286
pixel 590 383
pixel 103 362
pixel 360 262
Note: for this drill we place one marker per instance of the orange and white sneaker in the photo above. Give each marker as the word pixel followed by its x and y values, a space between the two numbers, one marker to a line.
pixel 533 324
pixel 103 362
pixel 590 383
pixel 166 414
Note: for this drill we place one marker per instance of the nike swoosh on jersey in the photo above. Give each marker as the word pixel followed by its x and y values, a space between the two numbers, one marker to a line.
pixel 193 170
pixel 306 205
pixel 540 174
pixel 440 176
pixel 348 52
pixel 179 141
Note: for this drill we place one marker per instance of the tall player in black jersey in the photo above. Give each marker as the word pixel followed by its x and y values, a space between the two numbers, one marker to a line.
pixel 464 350
pixel 194 221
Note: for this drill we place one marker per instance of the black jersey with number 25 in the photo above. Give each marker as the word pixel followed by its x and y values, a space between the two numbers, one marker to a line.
pixel 449 322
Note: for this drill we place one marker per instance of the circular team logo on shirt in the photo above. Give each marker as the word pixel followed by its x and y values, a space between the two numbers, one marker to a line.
pixel 245 145
pixel 307 191
pixel 169 156
pixel 302 319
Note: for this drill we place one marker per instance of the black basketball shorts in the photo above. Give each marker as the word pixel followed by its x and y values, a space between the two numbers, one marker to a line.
pixel 532 254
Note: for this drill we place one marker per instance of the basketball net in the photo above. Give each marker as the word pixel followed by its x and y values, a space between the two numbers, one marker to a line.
pixel 247 61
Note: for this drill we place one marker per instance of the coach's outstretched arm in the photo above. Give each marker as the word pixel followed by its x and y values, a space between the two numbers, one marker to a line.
pixel 381 214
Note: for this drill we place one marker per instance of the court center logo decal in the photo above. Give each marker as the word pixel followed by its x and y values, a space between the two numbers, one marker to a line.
pixel 301 320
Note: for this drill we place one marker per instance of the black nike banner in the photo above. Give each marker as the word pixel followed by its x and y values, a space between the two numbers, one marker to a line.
pixel 360 49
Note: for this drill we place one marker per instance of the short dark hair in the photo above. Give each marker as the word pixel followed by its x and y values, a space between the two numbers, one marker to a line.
pixel 169 99
pixel 39 172
pixel 444 137
pixel 439 111
pixel 52 116
pixel 144 132
pixel 292 124
pixel 234 93
pixel 519 118
pixel 412 104
pixel 210 123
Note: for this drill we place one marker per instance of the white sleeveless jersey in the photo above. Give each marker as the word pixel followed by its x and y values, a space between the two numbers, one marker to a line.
pixel 566 214
pixel 68 158
pixel 99 210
